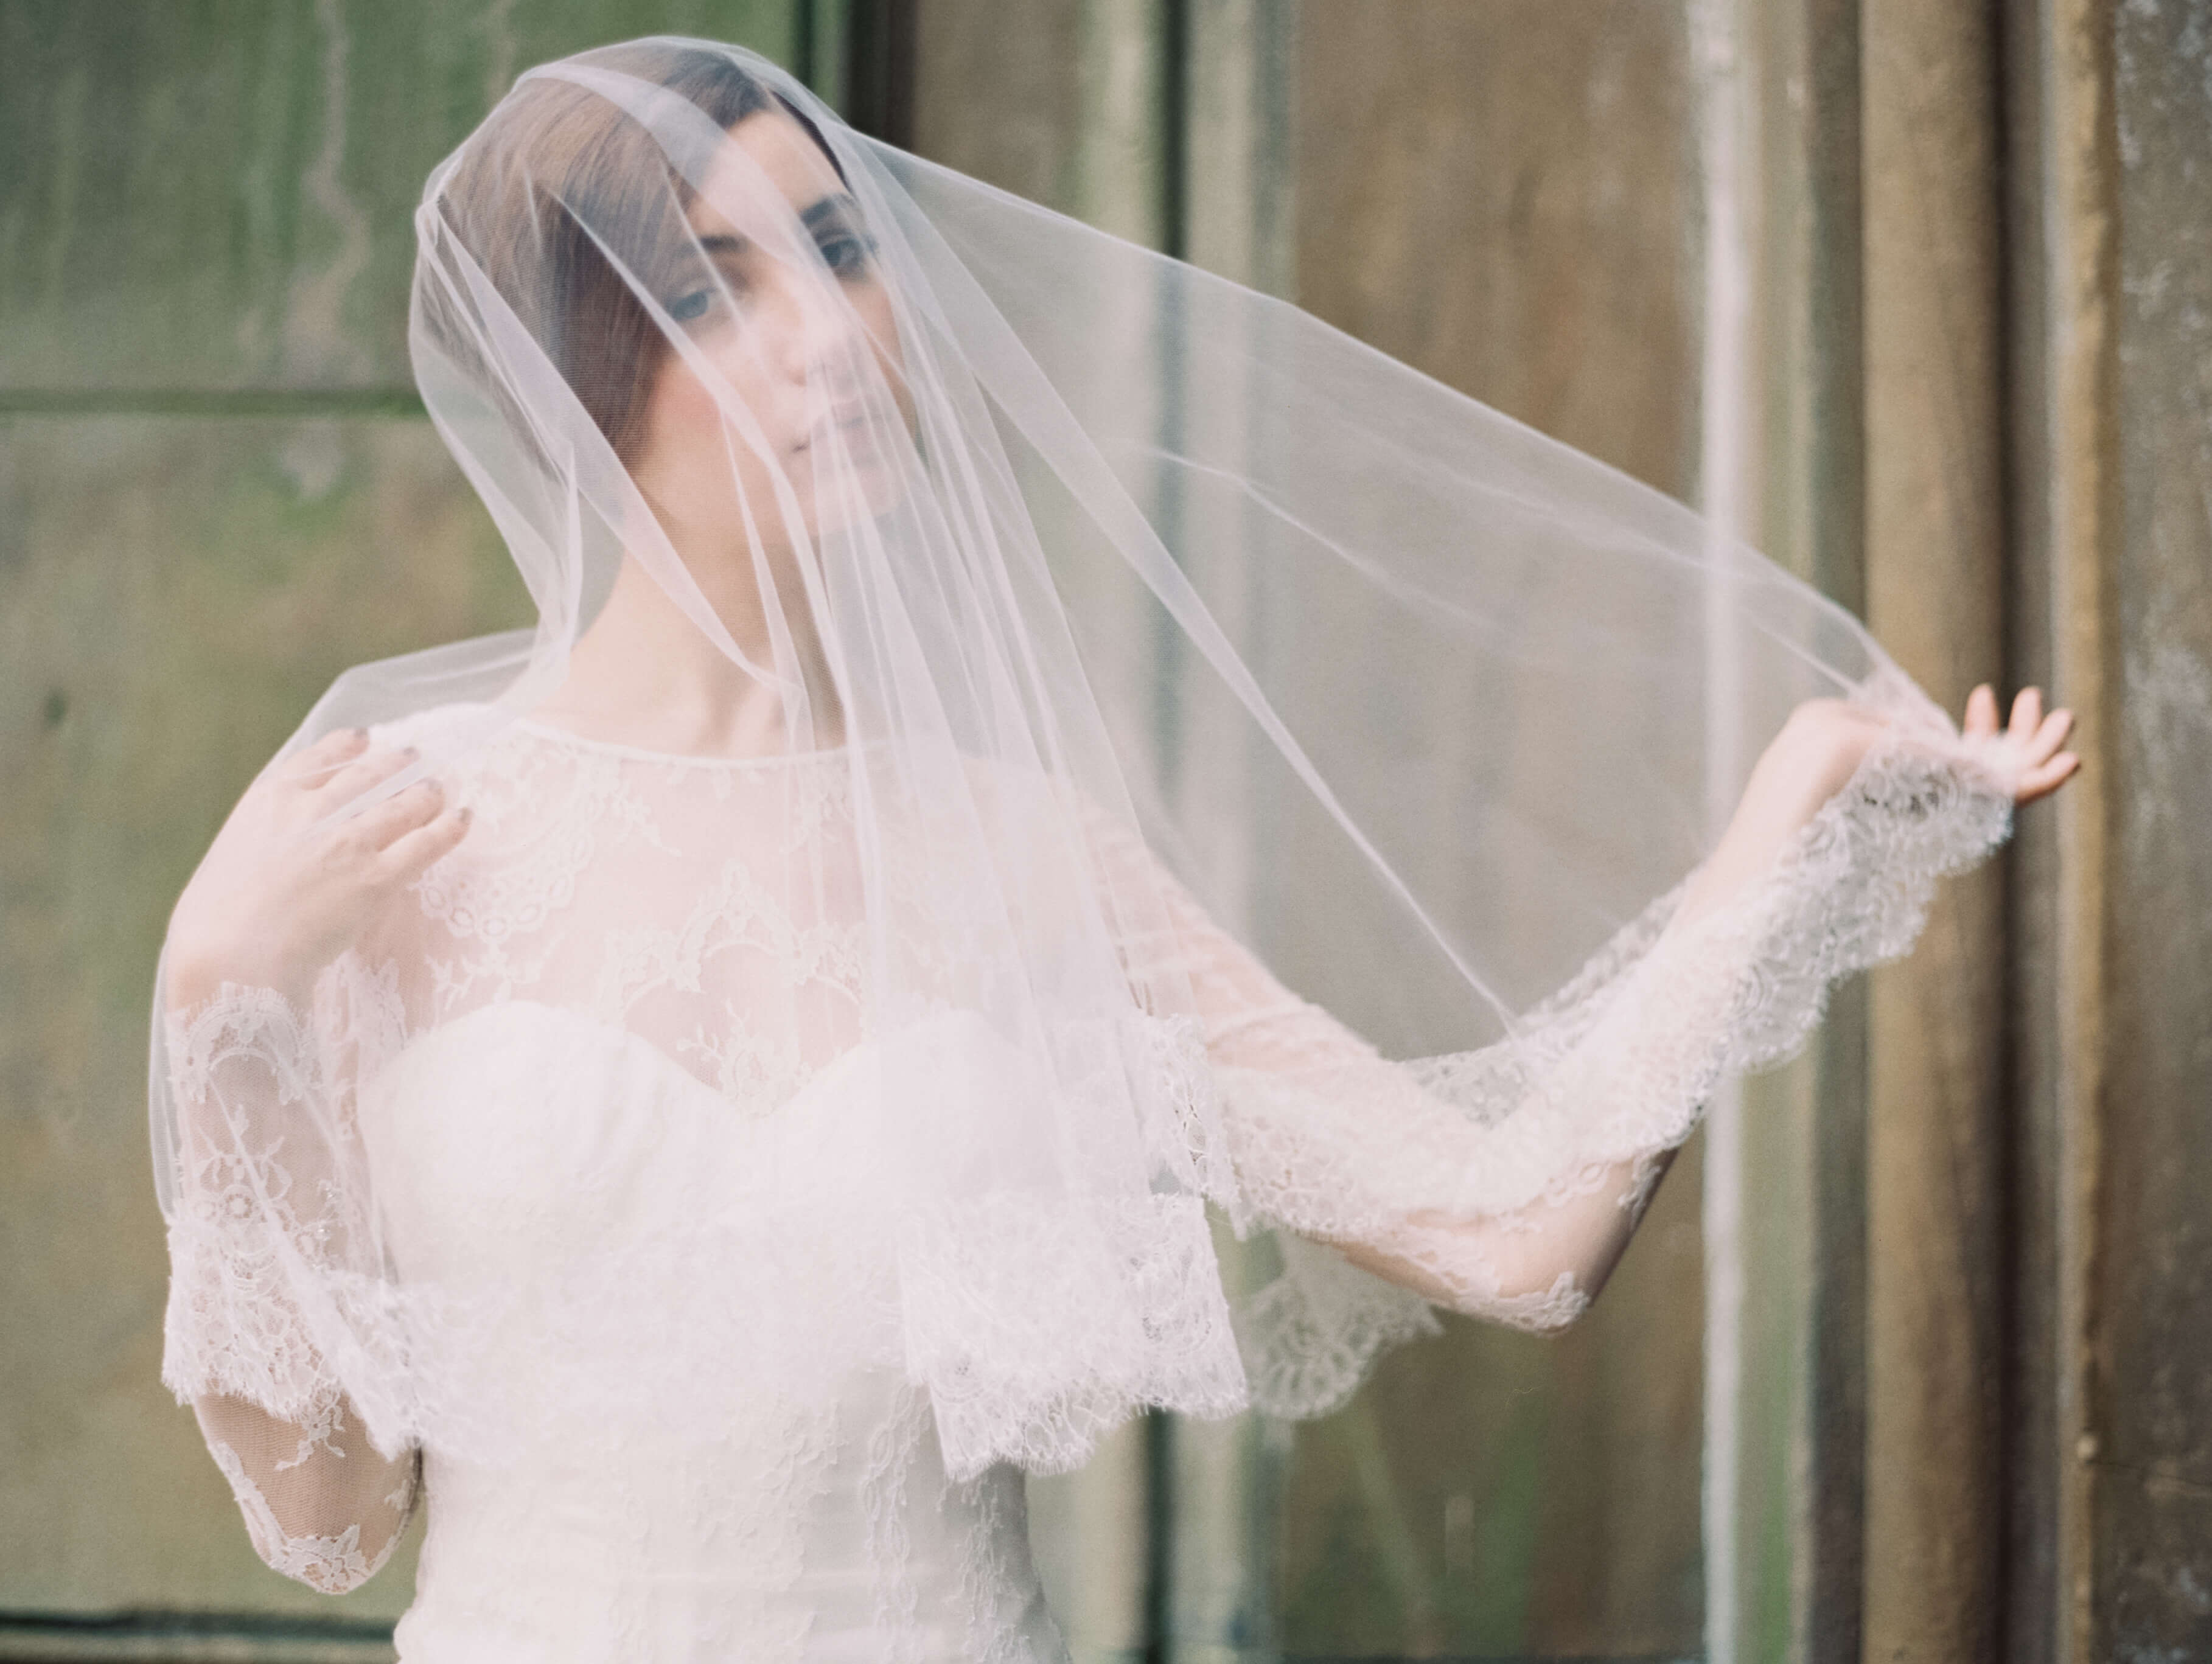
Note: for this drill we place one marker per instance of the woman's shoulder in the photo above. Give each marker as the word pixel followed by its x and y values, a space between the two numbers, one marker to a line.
pixel 397 699
pixel 451 729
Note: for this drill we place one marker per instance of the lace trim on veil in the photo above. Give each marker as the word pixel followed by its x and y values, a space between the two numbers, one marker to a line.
pixel 1617 1068
pixel 1036 1329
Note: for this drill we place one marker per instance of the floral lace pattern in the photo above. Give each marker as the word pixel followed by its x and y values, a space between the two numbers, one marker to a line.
pixel 234 1325
pixel 1492 1157
pixel 332 1565
pixel 591 1174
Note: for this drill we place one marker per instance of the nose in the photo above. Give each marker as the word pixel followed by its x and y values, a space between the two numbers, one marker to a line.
pixel 818 333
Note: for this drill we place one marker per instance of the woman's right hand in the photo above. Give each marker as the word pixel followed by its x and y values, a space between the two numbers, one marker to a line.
pixel 278 897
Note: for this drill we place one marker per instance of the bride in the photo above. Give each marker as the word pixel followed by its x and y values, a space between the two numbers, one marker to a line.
pixel 703 1093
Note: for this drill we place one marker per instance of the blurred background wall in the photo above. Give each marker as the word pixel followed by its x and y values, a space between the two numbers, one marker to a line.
pixel 1910 1362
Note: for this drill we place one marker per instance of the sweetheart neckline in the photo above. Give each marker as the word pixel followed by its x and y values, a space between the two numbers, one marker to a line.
pixel 631 1040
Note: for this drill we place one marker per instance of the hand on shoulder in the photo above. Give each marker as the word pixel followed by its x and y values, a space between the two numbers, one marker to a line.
pixel 288 885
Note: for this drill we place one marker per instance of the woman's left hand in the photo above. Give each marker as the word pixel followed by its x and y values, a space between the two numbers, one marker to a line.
pixel 1824 740
pixel 1820 748
pixel 2028 749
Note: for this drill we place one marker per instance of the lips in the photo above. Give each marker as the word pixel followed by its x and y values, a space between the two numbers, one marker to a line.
pixel 851 425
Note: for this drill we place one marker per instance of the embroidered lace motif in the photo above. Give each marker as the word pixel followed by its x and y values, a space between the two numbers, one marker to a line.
pixel 611 1010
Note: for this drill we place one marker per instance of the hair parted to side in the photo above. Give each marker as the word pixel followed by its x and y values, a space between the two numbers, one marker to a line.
pixel 555 171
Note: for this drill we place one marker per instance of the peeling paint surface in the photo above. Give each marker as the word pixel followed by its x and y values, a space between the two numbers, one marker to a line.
pixel 197 199
pixel 2154 1253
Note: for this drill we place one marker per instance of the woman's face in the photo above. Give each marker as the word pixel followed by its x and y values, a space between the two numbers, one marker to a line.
pixel 791 322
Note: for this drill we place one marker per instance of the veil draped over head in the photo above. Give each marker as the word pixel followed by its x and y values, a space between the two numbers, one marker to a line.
pixel 1157 751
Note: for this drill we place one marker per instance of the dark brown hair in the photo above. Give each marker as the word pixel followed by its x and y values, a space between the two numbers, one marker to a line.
pixel 554 173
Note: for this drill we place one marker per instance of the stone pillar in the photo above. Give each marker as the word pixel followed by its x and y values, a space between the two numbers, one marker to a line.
pixel 2111 123
pixel 1784 467
pixel 1939 1120
pixel 2062 165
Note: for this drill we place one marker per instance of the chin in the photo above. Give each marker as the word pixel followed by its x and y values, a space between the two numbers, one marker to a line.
pixel 881 489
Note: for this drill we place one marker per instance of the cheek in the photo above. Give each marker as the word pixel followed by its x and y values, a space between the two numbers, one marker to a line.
pixel 684 450
pixel 681 415
pixel 875 315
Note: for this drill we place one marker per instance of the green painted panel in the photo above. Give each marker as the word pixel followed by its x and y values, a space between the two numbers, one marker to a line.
pixel 216 194
pixel 173 594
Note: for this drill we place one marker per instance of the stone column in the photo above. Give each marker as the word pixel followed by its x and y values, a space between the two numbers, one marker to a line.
pixel 1784 466
pixel 1939 1120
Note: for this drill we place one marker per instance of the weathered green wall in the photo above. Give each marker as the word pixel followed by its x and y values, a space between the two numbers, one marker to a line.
pixel 212 499
pixel 207 194
pixel 173 593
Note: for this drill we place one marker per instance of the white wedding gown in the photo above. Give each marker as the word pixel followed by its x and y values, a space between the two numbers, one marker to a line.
pixel 605 1078
pixel 821 1527
pixel 528 1112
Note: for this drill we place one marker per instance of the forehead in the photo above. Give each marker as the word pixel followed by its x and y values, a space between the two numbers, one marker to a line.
pixel 766 147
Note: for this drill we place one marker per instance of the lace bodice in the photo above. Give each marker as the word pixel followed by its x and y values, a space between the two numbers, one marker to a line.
pixel 816 1519
pixel 616 1082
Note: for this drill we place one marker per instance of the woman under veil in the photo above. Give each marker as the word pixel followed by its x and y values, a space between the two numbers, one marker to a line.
pixel 708 1090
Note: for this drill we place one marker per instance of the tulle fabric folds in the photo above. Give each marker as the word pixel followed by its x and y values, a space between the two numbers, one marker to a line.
pixel 1185 760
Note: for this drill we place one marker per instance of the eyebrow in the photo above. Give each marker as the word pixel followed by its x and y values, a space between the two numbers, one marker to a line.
pixel 829 207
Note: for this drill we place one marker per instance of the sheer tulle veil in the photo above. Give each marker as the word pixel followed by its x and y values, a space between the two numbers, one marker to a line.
pixel 1095 611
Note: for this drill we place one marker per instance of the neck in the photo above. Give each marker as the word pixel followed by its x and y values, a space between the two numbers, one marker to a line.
pixel 645 673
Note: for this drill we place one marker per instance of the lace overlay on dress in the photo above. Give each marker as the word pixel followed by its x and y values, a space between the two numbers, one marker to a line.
pixel 637 1277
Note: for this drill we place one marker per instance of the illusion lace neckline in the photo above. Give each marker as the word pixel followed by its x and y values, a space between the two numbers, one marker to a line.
pixel 677 759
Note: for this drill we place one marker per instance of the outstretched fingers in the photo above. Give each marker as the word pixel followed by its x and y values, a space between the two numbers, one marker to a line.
pixel 2031 738
pixel 2037 738
pixel 2046 777
pixel 2049 734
